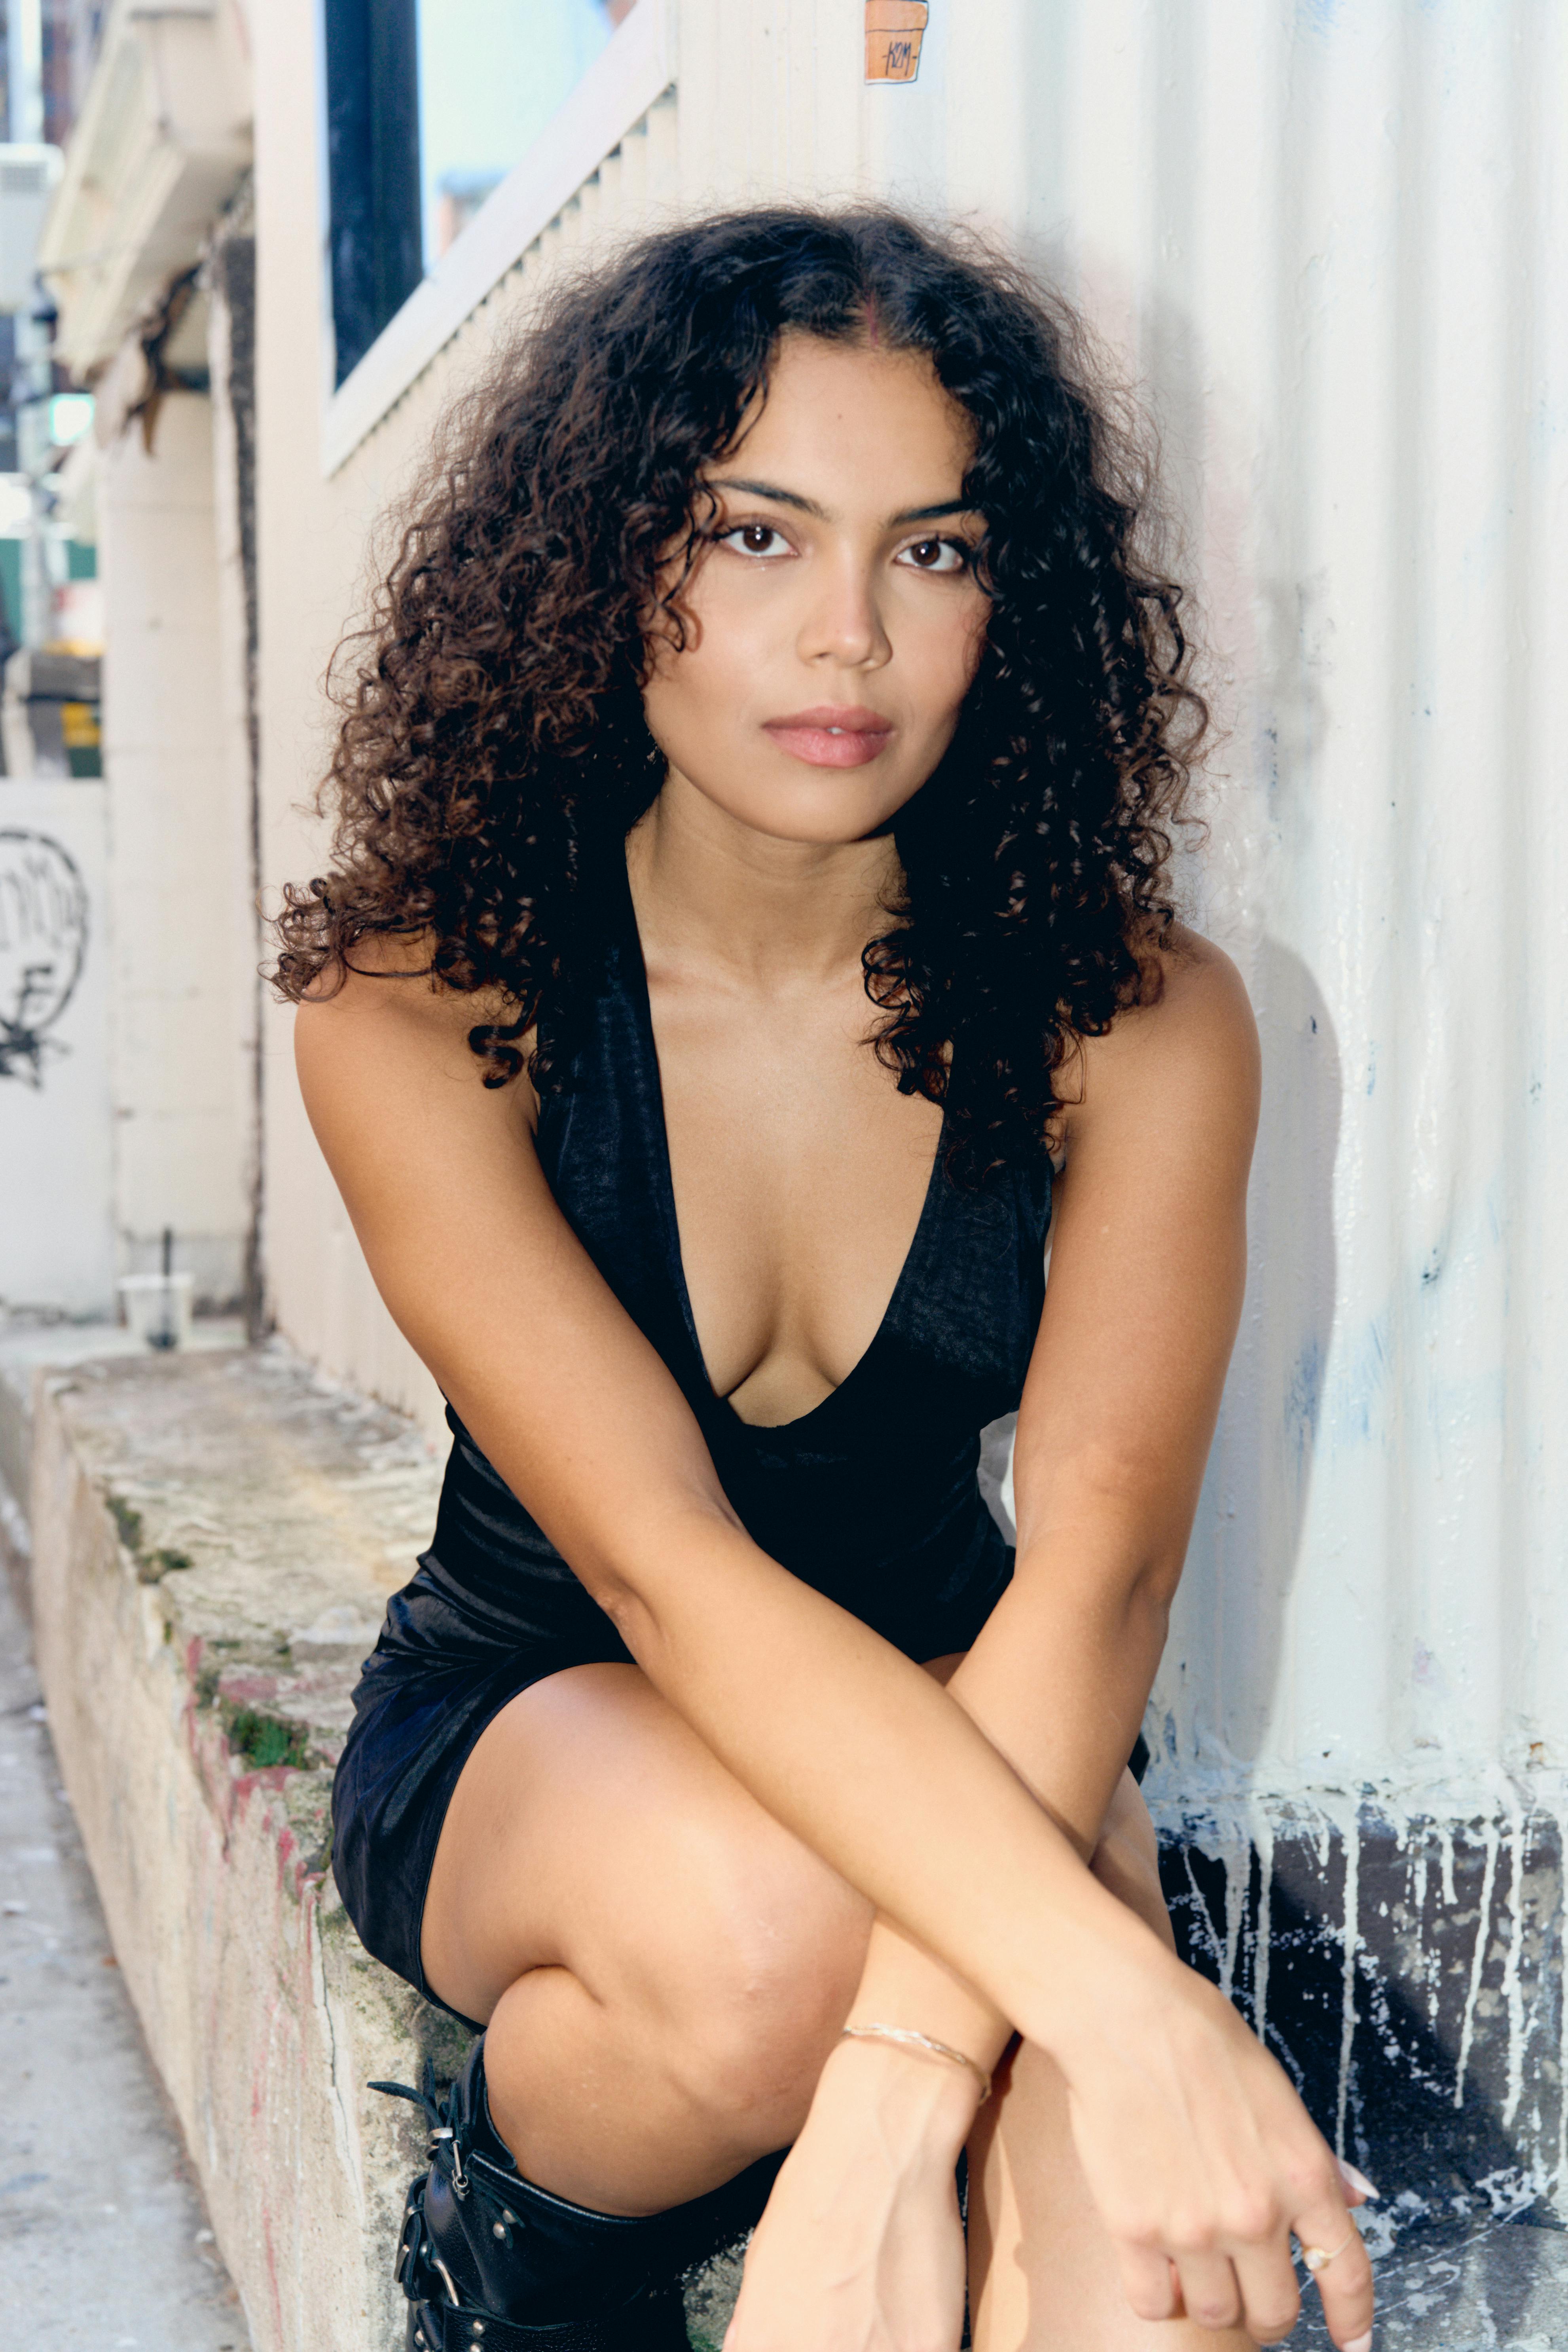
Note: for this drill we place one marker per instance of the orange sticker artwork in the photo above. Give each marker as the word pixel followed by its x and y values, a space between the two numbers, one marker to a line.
pixel 893 31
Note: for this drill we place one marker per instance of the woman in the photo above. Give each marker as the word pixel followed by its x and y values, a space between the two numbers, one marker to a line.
pixel 760 778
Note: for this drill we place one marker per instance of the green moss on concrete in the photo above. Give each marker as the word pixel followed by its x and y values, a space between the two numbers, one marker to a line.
pixel 151 1565
pixel 266 1740
pixel 166 1561
pixel 127 1523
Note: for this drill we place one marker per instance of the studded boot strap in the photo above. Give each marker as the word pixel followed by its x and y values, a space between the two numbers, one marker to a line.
pixel 452 2327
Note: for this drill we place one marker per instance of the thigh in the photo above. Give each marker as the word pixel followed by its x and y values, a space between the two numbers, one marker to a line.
pixel 592 1830
pixel 661 1968
pixel 1127 1859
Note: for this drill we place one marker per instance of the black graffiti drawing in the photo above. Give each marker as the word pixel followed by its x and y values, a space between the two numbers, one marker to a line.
pixel 44 924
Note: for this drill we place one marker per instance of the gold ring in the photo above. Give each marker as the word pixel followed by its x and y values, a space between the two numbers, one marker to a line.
pixel 1317 2260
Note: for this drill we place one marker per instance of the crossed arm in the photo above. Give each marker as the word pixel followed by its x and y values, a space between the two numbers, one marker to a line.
pixel 1147 1272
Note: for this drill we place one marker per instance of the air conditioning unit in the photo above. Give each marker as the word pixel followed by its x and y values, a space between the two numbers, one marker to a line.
pixel 27 177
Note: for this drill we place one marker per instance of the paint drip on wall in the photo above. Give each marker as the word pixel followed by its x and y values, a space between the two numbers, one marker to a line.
pixel 1405 1967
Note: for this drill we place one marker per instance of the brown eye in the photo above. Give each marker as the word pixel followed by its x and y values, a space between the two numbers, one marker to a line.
pixel 755 539
pixel 934 555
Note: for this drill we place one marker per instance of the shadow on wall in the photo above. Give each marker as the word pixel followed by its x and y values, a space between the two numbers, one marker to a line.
pixel 1407 1968
pixel 1224 1675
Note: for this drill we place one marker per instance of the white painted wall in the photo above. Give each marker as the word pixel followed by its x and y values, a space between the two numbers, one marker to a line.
pixel 313 530
pixel 55 1240
pixel 182 939
pixel 1323 242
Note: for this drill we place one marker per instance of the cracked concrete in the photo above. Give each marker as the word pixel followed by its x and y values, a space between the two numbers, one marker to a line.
pixel 214 1536
pixel 104 2244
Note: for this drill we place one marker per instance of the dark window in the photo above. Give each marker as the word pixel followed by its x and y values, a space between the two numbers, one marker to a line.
pixel 372 168
pixel 429 104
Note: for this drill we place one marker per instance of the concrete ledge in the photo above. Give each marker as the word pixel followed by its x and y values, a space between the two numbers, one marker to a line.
pixel 214 1536
pixel 212 1539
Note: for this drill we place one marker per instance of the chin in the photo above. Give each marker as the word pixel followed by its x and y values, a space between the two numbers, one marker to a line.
pixel 819 820
pixel 822 807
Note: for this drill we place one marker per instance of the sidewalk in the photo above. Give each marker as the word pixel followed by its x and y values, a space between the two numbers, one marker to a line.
pixel 103 2242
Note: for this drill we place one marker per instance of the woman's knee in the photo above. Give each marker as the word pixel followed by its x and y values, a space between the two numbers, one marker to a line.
pixel 775 1968
pixel 712 1945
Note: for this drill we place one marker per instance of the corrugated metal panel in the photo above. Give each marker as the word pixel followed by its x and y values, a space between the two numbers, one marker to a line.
pixel 1323 241
pixel 1326 237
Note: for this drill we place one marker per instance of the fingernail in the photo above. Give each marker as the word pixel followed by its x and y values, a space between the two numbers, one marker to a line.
pixel 1364 2188
pixel 1360 2343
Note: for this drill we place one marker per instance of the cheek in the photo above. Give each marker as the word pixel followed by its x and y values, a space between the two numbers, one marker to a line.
pixel 976 621
pixel 703 679
pixel 946 657
pixel 692 684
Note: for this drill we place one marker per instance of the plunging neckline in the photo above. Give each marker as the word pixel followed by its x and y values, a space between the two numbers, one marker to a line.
pixel 664 1176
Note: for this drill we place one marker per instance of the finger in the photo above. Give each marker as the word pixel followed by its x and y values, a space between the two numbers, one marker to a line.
pixel 1346 2287
pixel 1359 2190
pixel 1345 2280
pixel 1149 2282
pixel 1271 2298
pixel 1210 2294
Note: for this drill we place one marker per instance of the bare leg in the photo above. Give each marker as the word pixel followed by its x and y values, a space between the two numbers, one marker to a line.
pixel 664 1971
pixel 1043 2274
pixel 664 1967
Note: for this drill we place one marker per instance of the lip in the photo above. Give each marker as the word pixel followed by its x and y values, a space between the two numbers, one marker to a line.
pixel 832 735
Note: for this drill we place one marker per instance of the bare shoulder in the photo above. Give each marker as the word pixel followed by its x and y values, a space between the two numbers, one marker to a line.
pixel 369 1034
pixel 1200 996
pixel 1189 1051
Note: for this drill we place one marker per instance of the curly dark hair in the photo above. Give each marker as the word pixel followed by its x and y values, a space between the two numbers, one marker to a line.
pixel 493 753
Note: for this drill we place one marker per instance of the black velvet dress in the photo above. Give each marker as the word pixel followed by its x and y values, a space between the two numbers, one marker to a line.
pixel 871 1498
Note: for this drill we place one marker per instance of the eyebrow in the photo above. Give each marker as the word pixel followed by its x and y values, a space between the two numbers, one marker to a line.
pixel 808 505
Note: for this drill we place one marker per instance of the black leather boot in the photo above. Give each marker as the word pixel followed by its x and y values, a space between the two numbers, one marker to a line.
pixel 490 2263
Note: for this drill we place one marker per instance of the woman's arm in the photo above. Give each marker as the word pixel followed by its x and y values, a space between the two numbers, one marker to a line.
pixel 1147 1273
pixel 1148 1265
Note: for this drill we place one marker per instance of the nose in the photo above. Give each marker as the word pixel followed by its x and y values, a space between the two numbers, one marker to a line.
pixel 843 624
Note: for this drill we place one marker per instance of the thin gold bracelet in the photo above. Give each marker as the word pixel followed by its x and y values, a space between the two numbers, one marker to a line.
pixel 906 2036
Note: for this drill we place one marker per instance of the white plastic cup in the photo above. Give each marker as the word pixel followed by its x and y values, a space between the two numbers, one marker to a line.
pixel 157 1307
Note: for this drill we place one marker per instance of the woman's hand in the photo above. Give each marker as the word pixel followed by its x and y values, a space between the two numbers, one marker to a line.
pixel 1203 2162
pixel 861 2247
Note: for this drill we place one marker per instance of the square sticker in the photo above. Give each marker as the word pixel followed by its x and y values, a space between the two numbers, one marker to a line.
pixel 893 33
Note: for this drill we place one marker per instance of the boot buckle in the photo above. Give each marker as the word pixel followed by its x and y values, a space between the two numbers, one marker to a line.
pixel 459 2178
pixel 412 2235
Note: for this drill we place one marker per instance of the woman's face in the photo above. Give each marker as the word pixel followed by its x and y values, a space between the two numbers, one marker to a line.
pixel 833 620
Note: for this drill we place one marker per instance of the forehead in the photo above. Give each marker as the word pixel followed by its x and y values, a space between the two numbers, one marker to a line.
pixel 844 417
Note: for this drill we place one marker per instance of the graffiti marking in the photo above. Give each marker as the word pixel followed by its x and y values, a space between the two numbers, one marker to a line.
pixel 44 924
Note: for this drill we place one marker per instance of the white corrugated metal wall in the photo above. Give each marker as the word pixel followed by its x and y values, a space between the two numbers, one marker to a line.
pixel 1326 242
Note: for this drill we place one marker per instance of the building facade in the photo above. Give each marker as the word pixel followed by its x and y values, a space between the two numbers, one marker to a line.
pixel 145 252
pixel 1319 246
